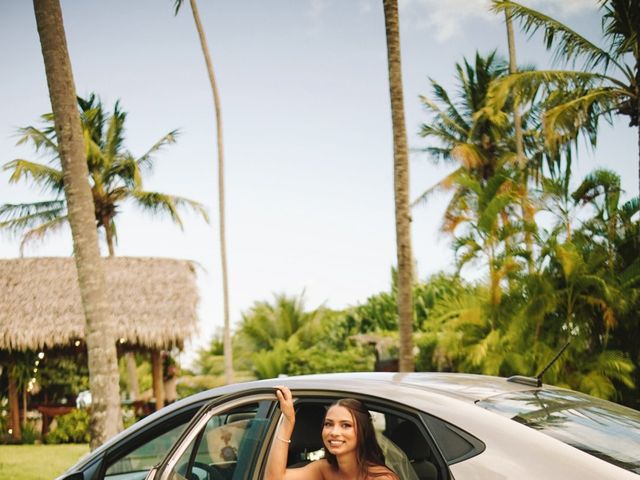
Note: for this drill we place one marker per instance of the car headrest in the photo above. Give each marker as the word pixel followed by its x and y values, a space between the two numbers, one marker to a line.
pixel 408 437
pixel 307 434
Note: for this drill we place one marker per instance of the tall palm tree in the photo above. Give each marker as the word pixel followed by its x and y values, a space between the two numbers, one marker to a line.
pixel 401 188
pixel 484 151
pixel 608 82
pixel 106 419
pixel 226 335
pixel 527 213
pixel 115 176
pixel 461 135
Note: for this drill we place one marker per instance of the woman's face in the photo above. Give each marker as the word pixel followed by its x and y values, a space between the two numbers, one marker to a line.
pixel 339 431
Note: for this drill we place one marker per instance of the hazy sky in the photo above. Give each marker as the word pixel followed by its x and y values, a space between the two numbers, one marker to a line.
pixel 307 130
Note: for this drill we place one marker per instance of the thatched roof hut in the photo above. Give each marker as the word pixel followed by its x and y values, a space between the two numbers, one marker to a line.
pixel 152 302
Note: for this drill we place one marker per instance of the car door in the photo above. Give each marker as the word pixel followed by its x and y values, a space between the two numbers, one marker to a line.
pixel 225 441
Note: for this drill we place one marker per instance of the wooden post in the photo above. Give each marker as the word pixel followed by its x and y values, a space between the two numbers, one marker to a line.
pixel 14 409
pixel 134 390
pixel 156 370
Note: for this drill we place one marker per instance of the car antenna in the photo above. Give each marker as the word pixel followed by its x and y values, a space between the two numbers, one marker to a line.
pixel 537 380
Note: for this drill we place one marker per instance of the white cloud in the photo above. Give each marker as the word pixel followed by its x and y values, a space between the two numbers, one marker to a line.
pixel 448 18
pixel 317 8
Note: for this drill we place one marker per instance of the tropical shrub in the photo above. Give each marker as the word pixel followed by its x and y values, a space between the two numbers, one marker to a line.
pixel 70 428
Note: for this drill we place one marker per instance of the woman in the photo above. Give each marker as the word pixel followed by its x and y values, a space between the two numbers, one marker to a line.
pixel 351 449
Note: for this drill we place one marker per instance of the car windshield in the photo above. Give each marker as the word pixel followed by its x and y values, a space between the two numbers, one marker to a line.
pixel 603 429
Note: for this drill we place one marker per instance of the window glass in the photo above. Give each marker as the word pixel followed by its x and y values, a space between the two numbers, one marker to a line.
pixel 455 444
pixel 604 429
pixel 224 448
pixel 145 456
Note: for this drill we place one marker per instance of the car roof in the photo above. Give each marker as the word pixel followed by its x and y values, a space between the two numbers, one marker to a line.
pixel 466 387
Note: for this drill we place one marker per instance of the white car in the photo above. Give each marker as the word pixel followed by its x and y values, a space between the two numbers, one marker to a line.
pixel 432 426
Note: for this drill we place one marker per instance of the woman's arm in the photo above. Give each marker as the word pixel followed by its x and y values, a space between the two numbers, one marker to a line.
pixel 277 461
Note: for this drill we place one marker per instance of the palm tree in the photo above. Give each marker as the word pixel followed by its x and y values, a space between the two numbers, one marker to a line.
pixel 106 419
pixel 228 354
pixel 401 188
pixel 115 176
pixel 485 185
pixel 461 134
pixel 606 84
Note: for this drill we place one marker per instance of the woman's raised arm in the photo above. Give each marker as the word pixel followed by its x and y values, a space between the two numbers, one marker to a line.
pixel 277 461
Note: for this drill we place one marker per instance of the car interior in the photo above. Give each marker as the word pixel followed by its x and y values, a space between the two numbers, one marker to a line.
pixel 406 450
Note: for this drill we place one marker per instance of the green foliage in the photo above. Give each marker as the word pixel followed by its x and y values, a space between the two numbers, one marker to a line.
pixel 115 176
pixel 70 428
pixel 29 433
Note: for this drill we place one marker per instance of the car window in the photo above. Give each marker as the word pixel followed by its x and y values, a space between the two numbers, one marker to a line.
pixel 455 444
pixel 138 462
pixel 224 448
pixel 408 451
pixel 603 429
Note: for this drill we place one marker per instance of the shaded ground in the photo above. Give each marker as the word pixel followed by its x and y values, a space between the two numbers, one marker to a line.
pixel 38 462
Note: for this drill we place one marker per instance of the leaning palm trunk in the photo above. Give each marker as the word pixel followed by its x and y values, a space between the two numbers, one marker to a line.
pixel 401 188
pixel 520 158
pixel 228 354
pixel 106 420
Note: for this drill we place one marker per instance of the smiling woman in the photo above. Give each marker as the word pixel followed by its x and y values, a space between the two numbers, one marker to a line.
pixel 351 449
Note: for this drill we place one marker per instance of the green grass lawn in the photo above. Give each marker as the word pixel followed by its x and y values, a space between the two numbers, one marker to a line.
pixel 38 462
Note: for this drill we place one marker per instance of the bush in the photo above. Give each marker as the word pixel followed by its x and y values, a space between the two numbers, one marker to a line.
pixel 29 434
pixel 71 428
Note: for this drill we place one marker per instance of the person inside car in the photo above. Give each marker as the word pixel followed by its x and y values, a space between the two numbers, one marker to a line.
pixel 351 449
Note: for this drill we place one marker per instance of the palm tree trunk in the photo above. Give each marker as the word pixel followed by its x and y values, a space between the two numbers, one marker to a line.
pixel 156 376
pixel 522 162
pixel 106 419
pixel 228 353
pixel 401 188
pixel 513 68
pixel 108 233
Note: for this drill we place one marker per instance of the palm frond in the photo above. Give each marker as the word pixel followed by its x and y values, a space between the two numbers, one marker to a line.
pixel 524 87
pixel 124 169
pixel 19 217
pixel 568 45
pixel 176 5
pixel 42 231
pixel 39 138
pixel 50 178
pixel 160 203
pixel 450 123
pixel 443 185
pixel 563 122
pixel 145 162
pixel 114 138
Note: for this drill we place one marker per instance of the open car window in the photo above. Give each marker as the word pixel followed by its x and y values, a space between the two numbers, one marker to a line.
pixel 408 450
pixel 222 445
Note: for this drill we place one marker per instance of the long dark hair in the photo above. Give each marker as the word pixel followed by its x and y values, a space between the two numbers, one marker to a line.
pixel 368 451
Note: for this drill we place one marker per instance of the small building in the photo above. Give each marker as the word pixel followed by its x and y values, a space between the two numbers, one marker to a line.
pixel 152 304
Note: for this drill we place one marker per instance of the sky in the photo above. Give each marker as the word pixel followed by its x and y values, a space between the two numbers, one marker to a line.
pixel 307 131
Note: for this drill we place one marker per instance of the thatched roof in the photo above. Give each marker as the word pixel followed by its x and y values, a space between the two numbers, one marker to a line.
pixel 152 302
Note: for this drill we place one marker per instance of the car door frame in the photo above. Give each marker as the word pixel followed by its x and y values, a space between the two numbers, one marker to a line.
pixel 371 401
pixel 194 428
pixel 147 434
